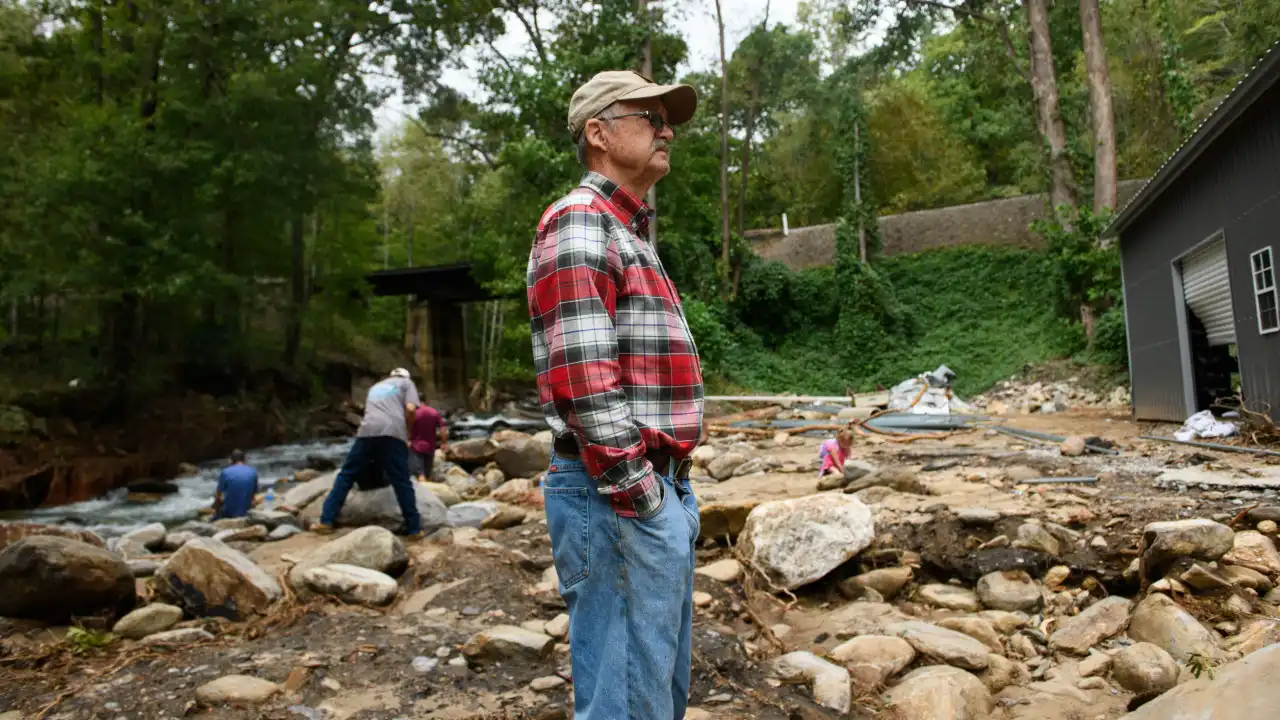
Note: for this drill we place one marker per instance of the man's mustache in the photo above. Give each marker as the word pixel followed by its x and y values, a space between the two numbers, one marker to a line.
pixel 661 144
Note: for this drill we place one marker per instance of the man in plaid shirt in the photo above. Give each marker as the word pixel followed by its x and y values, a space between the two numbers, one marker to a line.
pixel 621 387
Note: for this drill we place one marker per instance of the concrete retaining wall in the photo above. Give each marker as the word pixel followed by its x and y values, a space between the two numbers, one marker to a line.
pixel 995 222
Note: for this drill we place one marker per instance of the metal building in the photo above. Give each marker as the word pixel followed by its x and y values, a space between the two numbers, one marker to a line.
pixel 1200 251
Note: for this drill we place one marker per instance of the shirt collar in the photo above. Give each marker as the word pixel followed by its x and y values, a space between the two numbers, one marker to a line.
pixel 634 210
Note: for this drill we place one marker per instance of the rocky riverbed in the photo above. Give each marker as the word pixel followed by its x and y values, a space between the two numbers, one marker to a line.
pixel 944 579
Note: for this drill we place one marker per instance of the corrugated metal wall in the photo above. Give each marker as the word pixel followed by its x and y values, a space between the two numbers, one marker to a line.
pixel 1234 187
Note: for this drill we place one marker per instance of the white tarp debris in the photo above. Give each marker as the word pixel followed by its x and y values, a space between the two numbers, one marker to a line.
pixel 1204 425
pixel 927 394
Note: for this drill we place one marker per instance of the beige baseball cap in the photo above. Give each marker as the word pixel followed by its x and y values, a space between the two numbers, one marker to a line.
pixel 610 86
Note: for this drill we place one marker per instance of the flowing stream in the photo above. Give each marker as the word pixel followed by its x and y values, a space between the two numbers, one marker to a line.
pixel 113 514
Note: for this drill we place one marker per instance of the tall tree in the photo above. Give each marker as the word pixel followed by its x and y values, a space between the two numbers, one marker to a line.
pixel 1103 120
pixel 724 147
pixel 1044 85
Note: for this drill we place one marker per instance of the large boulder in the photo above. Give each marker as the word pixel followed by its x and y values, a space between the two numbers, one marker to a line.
pixel 1164 542
pixel 1144 669
pixel 1010 590
pixel 514 491
pixel 374 548
pixel 45 577
pixel 939 692
pixel 1097 623
pixel 1251 549
pixel 379 507
pixel 209 579
pixel 949 646
pixel 801 540
pixel 445 493
pixel 473 453
pixel 976 628
pixel 13 532
pixel 1161 621
pixel 523 457
pixel 1243 690
pixel 886 581
pixel 351 584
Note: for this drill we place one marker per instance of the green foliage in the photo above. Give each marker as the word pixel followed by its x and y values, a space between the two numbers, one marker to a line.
pixel 1086 270
pixel 84 641
pixel 1110 342
pixel 984 311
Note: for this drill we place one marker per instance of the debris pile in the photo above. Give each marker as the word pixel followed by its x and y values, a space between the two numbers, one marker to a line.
pixel 927 394
pixel 1015 396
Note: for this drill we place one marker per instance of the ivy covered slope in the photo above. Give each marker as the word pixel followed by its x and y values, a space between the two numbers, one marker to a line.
pixel 984 311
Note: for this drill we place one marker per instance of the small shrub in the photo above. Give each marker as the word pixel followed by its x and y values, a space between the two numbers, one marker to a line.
pixel 84 641
pixel 1110 343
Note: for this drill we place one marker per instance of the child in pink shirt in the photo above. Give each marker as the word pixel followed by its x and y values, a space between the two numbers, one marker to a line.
pixel 834 452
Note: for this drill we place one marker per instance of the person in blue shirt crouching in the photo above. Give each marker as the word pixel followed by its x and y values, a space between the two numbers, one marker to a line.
pixel 237 486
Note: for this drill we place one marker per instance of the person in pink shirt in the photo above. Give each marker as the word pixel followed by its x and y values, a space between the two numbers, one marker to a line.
pixel 428 428
pixel 834 452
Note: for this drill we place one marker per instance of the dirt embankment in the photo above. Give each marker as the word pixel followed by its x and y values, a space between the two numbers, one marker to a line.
pixel 81 446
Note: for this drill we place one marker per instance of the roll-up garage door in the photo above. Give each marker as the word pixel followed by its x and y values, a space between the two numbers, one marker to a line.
pixel 1207 290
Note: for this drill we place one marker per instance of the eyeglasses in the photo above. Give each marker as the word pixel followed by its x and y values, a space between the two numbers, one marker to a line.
pixel 655 120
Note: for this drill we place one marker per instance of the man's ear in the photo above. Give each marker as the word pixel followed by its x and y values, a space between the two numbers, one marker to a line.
pixel 597 135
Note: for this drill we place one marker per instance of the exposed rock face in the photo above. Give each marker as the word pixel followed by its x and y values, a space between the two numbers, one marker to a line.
pixel 51 578
pixel 209 579
pixel 938 692
pixel 374 548
pixel 1144 669
pixel 1164 542
pixel 1243 690
pixel 830 682
pixel 724 519
pixel 949 646
pixel 1160 621
pixel 1098 622
pixel 352 584
pixel 13 532
pixel 507 642
pixel 801 540
pixel 154 618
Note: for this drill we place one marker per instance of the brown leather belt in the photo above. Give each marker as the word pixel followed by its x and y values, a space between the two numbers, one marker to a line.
pixel 566 446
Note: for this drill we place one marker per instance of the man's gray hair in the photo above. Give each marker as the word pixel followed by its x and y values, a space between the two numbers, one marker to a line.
pixel 582 145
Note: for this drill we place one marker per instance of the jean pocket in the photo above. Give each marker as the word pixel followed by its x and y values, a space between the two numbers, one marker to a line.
pixel 568 523
pixel 689 502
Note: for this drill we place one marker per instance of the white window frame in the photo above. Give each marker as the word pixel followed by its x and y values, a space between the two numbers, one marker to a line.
pixel 1256 276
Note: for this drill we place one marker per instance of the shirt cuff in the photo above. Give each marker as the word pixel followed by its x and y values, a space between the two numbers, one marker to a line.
pixel 642 499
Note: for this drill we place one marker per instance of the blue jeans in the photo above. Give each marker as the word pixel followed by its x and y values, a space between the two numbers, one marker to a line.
pixel 628 583
pixel 386 455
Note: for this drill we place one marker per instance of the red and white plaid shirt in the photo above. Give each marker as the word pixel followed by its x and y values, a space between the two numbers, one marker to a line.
pixel 617 366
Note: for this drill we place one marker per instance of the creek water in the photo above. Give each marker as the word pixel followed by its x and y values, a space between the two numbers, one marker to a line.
pixel 114 514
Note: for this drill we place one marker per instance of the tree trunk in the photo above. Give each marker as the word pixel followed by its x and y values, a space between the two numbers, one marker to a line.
pixel 857 191
pixel 293 337
pixel 1104 126
pixel 745 173
pixel 724 148
pixel 1044 85
pixel 646 69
